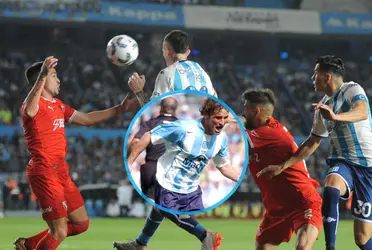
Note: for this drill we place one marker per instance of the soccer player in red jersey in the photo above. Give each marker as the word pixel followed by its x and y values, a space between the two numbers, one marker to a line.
pixel 43 119
pixel 291 201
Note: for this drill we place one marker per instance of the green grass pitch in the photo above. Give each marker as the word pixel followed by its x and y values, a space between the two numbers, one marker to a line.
pixel 238 235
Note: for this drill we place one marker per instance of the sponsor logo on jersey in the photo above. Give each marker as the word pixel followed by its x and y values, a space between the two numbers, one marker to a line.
pixel 58 123
pixel 49 107
pixel 197 163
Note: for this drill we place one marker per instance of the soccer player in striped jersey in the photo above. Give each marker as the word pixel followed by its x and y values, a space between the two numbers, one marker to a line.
pixel 179 74
pixel 344 115
pixel 190 146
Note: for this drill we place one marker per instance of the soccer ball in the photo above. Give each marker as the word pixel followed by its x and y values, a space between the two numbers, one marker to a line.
pixel 122 50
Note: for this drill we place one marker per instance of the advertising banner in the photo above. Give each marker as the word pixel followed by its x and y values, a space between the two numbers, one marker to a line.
pixel 252 19
pixel 142 14
pixel 342 23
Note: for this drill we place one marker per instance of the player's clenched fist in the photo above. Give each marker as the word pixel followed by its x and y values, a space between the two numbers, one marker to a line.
pixel 136 82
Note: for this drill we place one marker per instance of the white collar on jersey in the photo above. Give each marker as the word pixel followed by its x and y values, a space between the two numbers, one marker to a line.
pixel 53 100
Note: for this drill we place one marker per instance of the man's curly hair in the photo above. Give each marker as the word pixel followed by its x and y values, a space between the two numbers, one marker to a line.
pixel 211 107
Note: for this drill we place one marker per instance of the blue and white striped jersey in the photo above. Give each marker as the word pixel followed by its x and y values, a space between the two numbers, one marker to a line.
pixel 349 141
pixel 183 75
pixel 188 151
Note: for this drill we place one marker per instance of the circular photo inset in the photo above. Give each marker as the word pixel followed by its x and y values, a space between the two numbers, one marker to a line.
pixel 185 152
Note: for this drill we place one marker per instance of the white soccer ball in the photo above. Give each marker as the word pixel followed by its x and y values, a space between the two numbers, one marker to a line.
pixel 122 50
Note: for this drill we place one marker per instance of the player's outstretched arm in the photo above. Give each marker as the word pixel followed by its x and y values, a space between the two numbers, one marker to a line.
pixel 136 84
pixel 229 172
pixel 137 137
pixel 132 145
pixel 307 148
pixel 358 113
pixel 91 118
pixel 139 147
pixel 33 97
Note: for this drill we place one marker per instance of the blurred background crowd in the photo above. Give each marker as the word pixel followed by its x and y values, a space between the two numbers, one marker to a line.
pixel 235 61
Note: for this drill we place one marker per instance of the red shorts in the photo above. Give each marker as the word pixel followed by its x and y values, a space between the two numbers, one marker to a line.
pixel 56 194
pixel 278 229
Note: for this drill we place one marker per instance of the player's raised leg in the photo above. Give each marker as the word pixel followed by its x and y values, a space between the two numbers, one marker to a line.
pixel 78 220
pixel 337 184
pixel 68 205
pixel 306 237
pixel 77 223
pixel 50 194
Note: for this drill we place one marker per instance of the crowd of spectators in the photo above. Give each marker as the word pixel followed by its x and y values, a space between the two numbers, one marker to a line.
pixel 91 82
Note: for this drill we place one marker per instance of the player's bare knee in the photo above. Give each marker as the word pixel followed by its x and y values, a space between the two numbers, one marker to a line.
pixel 303 243
pixel 59 233
pixel 336 181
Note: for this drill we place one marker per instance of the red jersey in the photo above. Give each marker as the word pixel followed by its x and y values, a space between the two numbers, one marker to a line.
pixel 45 136
pixel 293 188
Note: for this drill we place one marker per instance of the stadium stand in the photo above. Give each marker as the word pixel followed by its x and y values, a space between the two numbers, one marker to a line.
pixel 234 60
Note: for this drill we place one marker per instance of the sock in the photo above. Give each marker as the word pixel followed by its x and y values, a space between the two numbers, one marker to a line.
pixel 32 241
pixel 187 223
pixel 330 213
pixel 47 243
pixel 72 229
pixel 367 246
pixel 75 228
pixel 153 221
